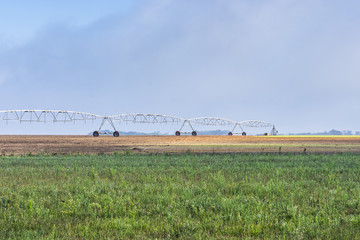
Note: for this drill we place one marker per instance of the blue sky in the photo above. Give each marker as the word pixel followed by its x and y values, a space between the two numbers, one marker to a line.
pixel 293 63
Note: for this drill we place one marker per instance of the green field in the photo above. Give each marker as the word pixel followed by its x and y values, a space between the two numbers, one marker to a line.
pixel 248 196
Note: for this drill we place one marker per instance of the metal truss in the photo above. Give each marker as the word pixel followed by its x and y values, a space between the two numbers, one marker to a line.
pixel 211 121
pixel 142 118
pixel 237 125
pixel 255 123
pixel 145 118
pixel 188 123
pixel 207 121
pixel 137 118
pixel 47 115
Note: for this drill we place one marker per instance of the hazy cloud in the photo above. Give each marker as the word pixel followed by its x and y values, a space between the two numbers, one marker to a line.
pixel 290 62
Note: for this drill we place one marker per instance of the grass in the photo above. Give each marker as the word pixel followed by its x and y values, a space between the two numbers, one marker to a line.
pixel 249 196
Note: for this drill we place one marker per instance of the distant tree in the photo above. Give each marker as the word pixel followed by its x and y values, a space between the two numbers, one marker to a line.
pixel 334 132
pixel 347 132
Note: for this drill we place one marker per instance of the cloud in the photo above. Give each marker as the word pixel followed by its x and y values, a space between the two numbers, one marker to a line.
pixel 271 60
pixel 3 76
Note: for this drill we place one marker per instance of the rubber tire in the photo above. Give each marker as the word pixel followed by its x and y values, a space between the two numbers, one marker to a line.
pixel 194 133
pixel 230 134
pixel 96 133
pixel 116 134
pixel 243 134
pixel 177 133
pixel 266 134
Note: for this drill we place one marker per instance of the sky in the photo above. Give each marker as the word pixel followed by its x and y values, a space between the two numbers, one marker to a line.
pixel 288 62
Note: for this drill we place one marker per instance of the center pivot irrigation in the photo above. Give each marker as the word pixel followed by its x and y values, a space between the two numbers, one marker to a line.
pixel 142 118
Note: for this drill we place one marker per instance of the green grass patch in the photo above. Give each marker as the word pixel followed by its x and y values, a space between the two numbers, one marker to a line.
pixel 187 196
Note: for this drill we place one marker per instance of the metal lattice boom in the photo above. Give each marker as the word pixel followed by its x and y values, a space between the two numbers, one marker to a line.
pixel 213 121
pixel 73 116
pixel 47 115
pixel 255 123
pixel 145 118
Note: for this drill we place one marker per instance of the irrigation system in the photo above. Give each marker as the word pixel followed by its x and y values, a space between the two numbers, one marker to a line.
pixel 142 118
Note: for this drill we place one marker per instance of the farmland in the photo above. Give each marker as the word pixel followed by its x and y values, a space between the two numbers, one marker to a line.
pixel 22 145
pixel 188 196
pixel 166 187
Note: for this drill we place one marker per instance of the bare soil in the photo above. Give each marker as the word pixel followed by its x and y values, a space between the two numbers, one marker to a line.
pixel 35 144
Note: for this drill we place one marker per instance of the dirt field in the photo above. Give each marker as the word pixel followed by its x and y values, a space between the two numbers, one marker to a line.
pixel 20 145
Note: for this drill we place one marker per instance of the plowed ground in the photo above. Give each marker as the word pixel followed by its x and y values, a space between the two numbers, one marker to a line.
pixel 22 145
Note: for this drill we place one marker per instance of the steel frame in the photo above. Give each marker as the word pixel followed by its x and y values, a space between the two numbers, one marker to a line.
pixel 188 123
pixel 145 118
pixel 257 124
pixel 207 121
pixel 213 121
pixel 233 132
pixel 141 118
pixel 47 115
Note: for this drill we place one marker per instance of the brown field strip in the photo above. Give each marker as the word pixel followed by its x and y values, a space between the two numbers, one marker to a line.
pixel 36 144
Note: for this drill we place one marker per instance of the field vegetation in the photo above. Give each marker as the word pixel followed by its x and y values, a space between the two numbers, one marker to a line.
pixel 187 196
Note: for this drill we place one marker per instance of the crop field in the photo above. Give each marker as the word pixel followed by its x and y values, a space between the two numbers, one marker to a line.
pixel 186 196
pixel 22 145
